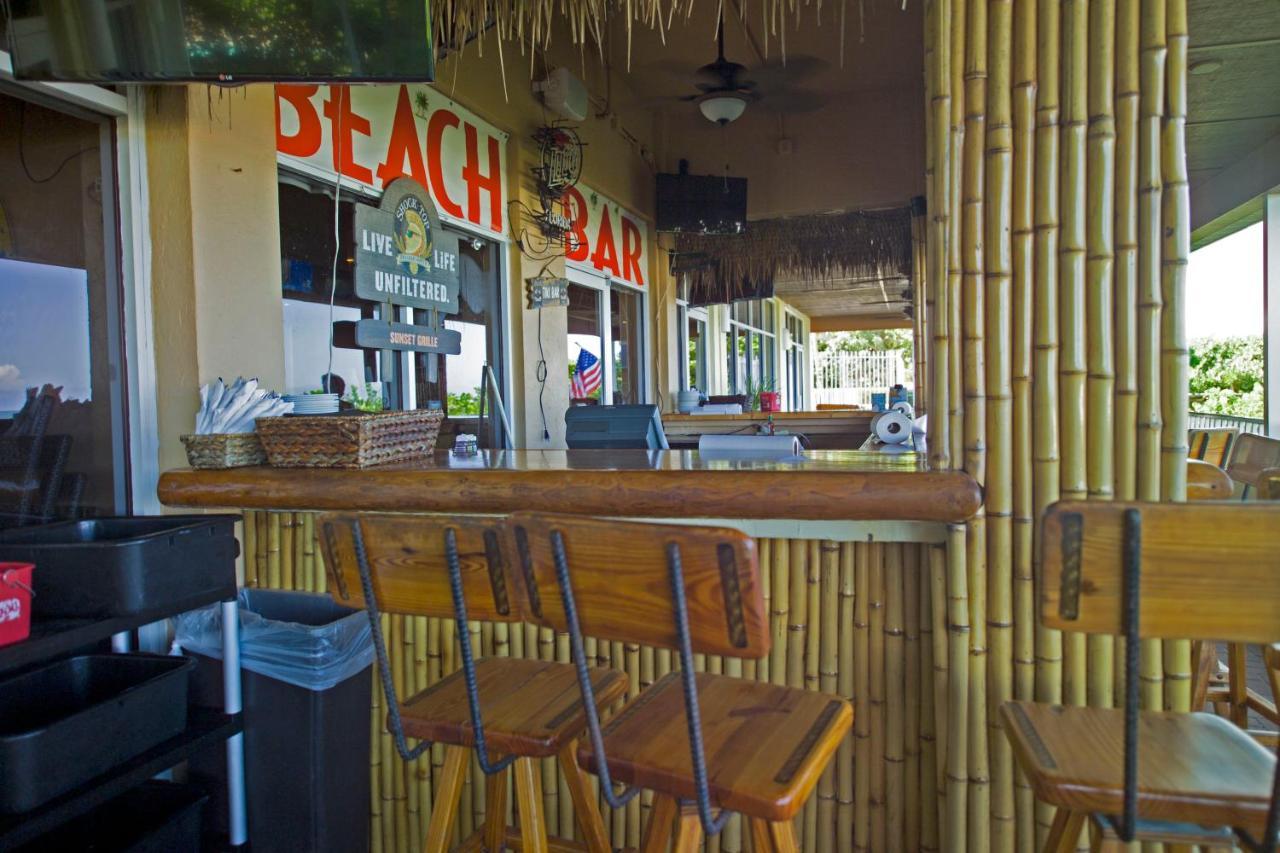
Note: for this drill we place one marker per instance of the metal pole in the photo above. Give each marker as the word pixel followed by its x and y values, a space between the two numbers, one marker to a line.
pixel 497 404
pixel 237 823
pixel 1271 314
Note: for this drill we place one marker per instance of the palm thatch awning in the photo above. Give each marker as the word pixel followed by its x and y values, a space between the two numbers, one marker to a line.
pixel 871 244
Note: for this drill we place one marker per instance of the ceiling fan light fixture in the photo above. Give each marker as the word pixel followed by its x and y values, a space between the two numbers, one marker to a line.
pixel 722 108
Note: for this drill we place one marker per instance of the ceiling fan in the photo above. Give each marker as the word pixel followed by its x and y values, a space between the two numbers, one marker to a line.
pixel 725 96
pixel 725 88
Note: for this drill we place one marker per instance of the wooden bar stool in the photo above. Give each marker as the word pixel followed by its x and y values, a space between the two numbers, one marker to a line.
pixel 699 741
pixel 1138 569
pixel 510 711
pixel 1211 445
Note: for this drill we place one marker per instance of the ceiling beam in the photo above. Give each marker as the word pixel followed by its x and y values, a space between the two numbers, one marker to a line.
pixel 858 322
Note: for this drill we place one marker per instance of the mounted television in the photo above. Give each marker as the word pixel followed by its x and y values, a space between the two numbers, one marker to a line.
pixel 701 204
pixel 220 41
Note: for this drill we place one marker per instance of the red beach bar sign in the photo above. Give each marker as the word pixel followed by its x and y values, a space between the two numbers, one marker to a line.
pixel 388 132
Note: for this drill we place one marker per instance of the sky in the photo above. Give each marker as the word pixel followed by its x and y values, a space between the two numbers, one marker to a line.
pixel 44 331
pixel 1224 287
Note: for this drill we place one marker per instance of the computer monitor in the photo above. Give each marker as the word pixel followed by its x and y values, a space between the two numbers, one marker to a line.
pixel 614 428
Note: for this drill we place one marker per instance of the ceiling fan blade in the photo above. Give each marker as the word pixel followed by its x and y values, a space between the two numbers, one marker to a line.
pixel 774 74
pixel 792 102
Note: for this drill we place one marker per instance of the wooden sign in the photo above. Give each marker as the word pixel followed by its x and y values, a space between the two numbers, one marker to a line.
pixel 545 292
pixel 402 255
pixel 380 334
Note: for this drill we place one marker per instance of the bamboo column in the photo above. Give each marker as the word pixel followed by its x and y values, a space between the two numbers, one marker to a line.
pixel 1021 327
pixel 998 213
pixel 1150 188
pixel 955 236
pixel 938 145
pixel 1126 250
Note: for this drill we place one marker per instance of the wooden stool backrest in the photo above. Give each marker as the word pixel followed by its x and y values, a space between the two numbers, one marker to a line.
pixel 1207 482
pixel 621 583
pixel 1269 485
pixel 1211 445
pixel 1208 571
pixel 406 556
pixel 1252 455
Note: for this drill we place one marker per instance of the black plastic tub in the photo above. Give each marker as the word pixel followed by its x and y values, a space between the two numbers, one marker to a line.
pixel 107 567
pixel 71 721
pixel 155 817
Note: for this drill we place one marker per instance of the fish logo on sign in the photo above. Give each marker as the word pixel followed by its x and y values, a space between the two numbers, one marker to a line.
pixel 413 236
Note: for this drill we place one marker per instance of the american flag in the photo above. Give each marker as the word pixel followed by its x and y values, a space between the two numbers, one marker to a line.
pixel 586 377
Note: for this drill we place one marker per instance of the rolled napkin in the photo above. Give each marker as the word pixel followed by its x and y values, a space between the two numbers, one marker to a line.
pixel 771 447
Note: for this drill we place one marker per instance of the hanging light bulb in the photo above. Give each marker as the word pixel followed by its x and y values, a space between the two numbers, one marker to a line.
pixel 722 107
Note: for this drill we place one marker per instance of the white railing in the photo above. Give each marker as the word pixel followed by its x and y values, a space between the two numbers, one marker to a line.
pixel 1204 420
pixel 849 378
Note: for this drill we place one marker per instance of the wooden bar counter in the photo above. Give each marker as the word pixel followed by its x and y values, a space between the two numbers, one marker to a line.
pixel 853 548
pixel 827 485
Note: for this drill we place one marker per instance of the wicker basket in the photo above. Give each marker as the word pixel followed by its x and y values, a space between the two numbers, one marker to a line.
pixel 349 441
pixel 224 450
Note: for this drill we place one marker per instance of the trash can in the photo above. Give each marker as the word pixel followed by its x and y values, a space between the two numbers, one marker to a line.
pixel 305 664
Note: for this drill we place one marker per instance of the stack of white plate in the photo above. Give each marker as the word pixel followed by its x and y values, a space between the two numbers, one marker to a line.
pixel 313 404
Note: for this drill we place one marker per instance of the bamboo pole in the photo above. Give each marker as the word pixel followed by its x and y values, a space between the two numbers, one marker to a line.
pixel 1099 284
pixel 249 524
pixel 1046 469
pixel 876 692
pixel 781 611
pixel 862 754
pixel 938 92
pixel 957 710
pixel 955 257
pixel 1174 368
pixel 845 687
pixel 1023 108
pixel 274 575
pixel 828 678
pixel 894 709
pixel 1150 188
pixel 1071 298
pixel 939 600
pixel 1126 237
pixel 929 775
pixel 910 699
pixel 998 333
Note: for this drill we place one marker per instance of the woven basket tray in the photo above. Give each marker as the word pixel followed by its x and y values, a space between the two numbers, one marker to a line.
pixel 224 450
pixel 349 441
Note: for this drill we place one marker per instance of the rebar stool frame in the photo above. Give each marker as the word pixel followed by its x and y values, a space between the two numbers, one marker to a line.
pixel 1183 778
pixel 632 583
pixel 532 708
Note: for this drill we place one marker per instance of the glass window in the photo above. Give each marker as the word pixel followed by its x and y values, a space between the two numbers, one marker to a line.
pixel 796 346
pixel 63 449
pixel 586 335
pixel 752 346
pixel 696 354
pixel 626 333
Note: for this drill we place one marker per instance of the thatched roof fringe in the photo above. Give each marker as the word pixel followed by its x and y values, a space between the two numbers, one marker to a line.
pixel 820 247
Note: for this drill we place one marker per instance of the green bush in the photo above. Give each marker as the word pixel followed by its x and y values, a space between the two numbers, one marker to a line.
pixel 1226 376
pixel 881 340
pixel 464 403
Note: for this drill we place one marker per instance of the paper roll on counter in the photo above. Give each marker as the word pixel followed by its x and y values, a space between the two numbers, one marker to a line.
pixel 892 427
pixel 774 447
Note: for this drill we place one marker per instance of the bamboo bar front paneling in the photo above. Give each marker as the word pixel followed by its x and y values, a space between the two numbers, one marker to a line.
pixel 1064 241
pixel 854 618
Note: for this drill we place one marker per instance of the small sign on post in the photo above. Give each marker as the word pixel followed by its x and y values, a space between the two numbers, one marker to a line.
pixel 545 292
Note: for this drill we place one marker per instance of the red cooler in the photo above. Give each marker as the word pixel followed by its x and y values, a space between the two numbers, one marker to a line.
pixel 15 602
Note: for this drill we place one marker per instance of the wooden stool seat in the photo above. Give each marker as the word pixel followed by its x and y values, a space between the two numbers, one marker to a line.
pixel 1195 768
pixel 529 707
pixel 766 745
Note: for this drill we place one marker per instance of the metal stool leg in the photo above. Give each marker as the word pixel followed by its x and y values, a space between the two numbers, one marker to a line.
pixel 232 703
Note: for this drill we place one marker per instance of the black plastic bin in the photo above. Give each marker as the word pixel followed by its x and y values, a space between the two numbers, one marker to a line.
pixel 106 567
pixel 306 750
pixel 63 724
pixel 155 817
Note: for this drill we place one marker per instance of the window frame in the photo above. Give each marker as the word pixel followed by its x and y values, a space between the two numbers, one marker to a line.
pixel 603 285
pixel 753 328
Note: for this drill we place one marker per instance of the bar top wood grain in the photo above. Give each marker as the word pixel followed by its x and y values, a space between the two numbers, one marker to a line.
pixel 826 485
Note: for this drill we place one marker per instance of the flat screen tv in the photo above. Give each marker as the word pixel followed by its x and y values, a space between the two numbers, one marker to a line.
pixel 220 41
pixel 701 204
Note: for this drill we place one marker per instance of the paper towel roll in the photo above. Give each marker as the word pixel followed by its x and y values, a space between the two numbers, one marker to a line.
pixel 904 407
pixel 749 446
pixel 892 428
